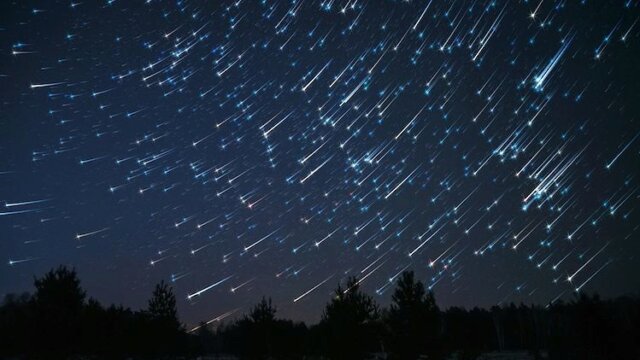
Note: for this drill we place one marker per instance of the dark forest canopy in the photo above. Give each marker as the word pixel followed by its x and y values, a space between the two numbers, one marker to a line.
pixel 58 321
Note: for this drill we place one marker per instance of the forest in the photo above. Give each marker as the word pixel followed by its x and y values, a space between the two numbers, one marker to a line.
pixel 59 321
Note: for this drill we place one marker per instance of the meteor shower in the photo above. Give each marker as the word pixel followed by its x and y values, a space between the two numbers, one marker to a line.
pixel 320 179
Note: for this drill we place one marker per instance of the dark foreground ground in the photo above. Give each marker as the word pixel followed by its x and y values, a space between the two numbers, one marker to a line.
pixel 58 321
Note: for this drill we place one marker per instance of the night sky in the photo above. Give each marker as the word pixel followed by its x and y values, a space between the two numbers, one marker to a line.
pixel 277 147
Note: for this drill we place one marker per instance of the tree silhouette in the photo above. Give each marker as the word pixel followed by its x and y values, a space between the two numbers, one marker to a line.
pixel 16 316
pixel 350 323
pixel 206 339
pixel 163 317
pixel 58 304
pixel 412 320
pixel 162 305
pixel 260 328
pixel 260 335
pixel 263 313
pixel 59 322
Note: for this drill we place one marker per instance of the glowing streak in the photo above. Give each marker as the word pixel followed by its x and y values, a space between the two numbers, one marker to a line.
pixel 246 248
pixel 570 278
pixel 266 133
pixel 401 182
pixel 592 276
pixel 80 236
pixel 622 151
pixel 421 15
pixel 408 124
pixel 303 160
pixel 14 262
pixel 36 86
pixel 195 143
pixel 315 170
pixel 366 276
pixel 433 262
pixel 540 79
pixel 427 240
pixel 312 289
pixel 317 243
pixel 304 88
pixel 218 318
pixel 26 203
pixel 233 289
pixel 199 292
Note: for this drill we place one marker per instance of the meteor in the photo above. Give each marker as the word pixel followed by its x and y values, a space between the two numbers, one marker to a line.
pixel 608 166
pixel 377 246
pixel 176 277
pixel 535 12
pixel 366 276
pixel 183 221
pixel 397 46
pixel 199 226
pixel 312 289
pixel 409 123
pixel 215 319
pixel 233 289
pixel 318 243
pixel 247 248
pixel 427 240
pixel 261 127
pixel 199 292
pixel 433 262
pixel 194 251
pixel 489 33
pixel 266 133
pixel 304 88
pixel 80 236
pixel 14 262
pixel 18 212
pixel 96 93
pixel 570 277
pixel 239 175
pixel 337 77
pixel 626 34
pixel 167 35
pixel 296 249
pixel 82 162
pixel 370 71
pixel 593 275
pixel 540 79
pixel 353 92
pixel 304 159
pixel 6 204
pixel 415 26
pixel 401 182
pixel 195 143
pixel 315 170
pixel 515 237
pixel 37 86
pixel 363 226
pixel 374 262
pixel 394 277
pixel 153 262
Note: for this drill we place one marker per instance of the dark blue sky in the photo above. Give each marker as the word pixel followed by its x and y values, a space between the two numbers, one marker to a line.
pixel 277 147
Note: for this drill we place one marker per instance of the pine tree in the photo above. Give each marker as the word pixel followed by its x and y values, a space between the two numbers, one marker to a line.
pixel 58 304
pixel 165 330
pixel 263 312
pixel 350 323
pixel 162 305
pixel 412 319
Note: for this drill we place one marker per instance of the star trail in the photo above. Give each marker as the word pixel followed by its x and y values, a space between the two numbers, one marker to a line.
pixel 250 148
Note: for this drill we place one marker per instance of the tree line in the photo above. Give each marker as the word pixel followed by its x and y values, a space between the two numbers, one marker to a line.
pixel 59 322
